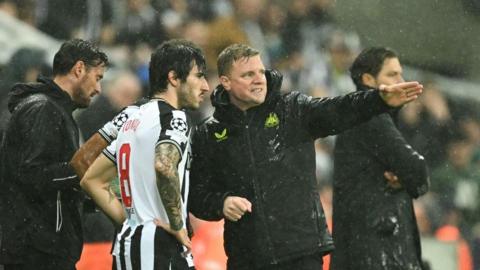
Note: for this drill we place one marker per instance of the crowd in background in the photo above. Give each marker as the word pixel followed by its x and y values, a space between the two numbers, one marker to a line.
pixel 301 39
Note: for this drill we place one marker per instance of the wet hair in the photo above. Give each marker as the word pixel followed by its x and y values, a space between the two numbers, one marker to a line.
pixel 76 50
pixel 174 55
pixel 369 61
pixel 231 54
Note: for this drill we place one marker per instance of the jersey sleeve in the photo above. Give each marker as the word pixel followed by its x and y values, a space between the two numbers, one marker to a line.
pixel 111 151
pixel 175 129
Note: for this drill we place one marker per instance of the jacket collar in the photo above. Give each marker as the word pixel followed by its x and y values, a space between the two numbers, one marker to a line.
pixel 45 86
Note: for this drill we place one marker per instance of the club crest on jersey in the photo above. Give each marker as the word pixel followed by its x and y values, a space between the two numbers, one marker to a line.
pixel 178 124
pixel 272 120
pixel 221 136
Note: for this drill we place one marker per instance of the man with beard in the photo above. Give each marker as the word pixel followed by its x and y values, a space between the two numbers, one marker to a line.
pixel 40 198
pixel 151 156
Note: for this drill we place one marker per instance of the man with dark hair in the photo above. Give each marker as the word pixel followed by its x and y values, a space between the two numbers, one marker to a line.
pixel 376 175
pixel 40 218
pixel 151 156
pixel 254 161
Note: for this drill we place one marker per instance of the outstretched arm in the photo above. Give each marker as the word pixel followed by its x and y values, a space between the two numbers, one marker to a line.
pixel 167 157
pixel 86 155
pixel 329 116
pixel 96 183
pixel 396 95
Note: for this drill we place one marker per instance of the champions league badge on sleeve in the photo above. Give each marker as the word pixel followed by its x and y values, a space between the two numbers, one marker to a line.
pixel 120 120
pixel 178 130
pixel 179 124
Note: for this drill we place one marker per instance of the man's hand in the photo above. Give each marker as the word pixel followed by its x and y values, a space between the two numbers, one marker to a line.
pixel 396 95
pixel 110 130
pixel 392 180
pixel 181 235
pixel 235 207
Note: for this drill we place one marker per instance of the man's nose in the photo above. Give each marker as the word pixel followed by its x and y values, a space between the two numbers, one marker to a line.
pixel 98 88
pixel 260 78
pixel 205 86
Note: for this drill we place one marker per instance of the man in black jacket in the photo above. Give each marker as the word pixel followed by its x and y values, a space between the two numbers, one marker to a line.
pixel 254 161
pixel 376 175
pixel 40 219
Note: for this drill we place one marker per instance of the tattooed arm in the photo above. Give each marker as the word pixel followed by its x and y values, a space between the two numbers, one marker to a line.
pixel 167 158
pixel 96 183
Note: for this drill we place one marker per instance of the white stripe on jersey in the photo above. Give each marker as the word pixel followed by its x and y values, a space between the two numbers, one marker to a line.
pixel 127 253
pixel 117 252
pixel 147 246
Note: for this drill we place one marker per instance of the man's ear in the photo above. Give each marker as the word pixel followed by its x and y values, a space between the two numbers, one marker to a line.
pixel 172 78
pixel 225 81
pixel 369 80
pixel 79 68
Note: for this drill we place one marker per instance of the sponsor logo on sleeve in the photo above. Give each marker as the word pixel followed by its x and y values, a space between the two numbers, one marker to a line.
pixel 221 136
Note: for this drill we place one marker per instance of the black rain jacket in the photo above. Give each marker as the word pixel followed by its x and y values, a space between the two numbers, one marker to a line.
pixel 374 226
pixel 39 191
pixel 267 155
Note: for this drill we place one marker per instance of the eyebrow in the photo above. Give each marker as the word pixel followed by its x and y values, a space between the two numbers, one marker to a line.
pixel 253 71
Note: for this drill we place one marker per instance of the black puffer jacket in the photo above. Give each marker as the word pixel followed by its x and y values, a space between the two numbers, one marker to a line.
pixel 267 155
pixel 374 226
pixel 39 195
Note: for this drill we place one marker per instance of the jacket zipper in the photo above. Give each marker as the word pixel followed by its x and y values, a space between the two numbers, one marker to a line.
pixel 59 222
pixel 256 191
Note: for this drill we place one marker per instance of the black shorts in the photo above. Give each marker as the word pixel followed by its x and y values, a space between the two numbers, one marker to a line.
pixel 149 248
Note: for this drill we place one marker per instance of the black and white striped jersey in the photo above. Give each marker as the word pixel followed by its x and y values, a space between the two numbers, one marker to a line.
pixel 133 152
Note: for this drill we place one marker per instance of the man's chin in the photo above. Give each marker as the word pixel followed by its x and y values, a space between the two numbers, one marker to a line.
pixel 83 104
pixel 193 106
pixel 260 100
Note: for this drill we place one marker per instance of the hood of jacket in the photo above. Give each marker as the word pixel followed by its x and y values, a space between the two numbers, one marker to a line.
pixel 224 109
pixel 45 86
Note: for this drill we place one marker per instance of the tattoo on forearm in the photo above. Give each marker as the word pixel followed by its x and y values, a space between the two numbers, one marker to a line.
pixel 167 157
pixel 111 192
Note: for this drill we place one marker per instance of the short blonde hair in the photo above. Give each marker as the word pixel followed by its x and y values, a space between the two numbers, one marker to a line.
pixel 231 54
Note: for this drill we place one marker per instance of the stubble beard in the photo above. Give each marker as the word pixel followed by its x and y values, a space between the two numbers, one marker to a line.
pixel 186 100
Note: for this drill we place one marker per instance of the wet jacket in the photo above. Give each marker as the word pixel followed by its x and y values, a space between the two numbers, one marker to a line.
pixel 39 195
pixel 374 226
pixel 267 156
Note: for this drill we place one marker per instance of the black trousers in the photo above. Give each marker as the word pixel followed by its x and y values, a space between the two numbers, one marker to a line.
pixel 309 262
pixel 38 260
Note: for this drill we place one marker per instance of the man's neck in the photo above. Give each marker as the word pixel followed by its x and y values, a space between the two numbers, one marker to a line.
pixel 65 83
pixel 168 97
